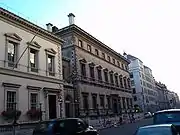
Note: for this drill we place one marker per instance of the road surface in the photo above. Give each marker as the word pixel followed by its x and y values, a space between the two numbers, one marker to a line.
pixel 127 129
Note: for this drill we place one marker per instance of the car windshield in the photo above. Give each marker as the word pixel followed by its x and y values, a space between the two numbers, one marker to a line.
pixel 154 131
pixel 167 117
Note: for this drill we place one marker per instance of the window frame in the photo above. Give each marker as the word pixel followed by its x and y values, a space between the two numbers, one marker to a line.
pixel 89 49
pixel 36 68
pixel 103 55
pixel 96 52
pixel 51 52
pixel 15 39
pixel 80 43
pixel 14 88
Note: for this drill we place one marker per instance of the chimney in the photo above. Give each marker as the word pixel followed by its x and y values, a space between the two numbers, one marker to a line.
pixel 125 55
pixel 49 27
pixel 71 18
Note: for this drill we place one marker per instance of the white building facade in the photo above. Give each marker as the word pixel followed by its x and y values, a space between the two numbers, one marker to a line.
pixel 32 81
pixel 143 85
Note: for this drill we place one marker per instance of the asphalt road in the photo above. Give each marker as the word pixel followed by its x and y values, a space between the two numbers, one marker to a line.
pixel 127 129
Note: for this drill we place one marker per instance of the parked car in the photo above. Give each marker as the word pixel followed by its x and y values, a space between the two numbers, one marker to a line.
pixel 162 129
pixel 147 115
pixel 171 116
pixel 69 126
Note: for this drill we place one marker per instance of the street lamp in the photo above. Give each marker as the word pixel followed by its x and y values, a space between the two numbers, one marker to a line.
pixel 15 119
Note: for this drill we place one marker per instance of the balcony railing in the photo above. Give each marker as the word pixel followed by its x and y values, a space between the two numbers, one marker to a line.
pixel 27 69
pixel 103 84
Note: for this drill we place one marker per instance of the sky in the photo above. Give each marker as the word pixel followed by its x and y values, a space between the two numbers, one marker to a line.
pixel 147 29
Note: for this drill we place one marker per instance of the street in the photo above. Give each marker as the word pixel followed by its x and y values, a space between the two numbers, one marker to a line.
pixel 127 129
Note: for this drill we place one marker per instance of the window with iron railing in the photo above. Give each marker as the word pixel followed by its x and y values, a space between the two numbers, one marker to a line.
pixel 34 100
pixel 12 54
pixel 34 60
pixel 11 100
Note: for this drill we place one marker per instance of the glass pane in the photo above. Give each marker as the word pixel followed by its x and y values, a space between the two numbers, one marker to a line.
pixel 50 63
pixel 11 52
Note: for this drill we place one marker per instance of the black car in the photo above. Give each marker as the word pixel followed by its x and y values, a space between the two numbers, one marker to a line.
pixel 170 116
pixel 69 126
pixel 162 129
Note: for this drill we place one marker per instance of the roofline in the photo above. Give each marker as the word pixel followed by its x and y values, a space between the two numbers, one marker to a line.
pixel 135 58
pixel 7 15
pixel 78 29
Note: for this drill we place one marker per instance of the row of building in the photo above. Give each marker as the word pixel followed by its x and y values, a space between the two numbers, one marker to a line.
pixel 148 94
pixel 67 73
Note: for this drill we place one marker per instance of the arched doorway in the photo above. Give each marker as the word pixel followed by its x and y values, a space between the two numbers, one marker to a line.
pixel 68 106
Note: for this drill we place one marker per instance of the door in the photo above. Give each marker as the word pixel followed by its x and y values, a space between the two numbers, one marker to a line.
pixel 52 106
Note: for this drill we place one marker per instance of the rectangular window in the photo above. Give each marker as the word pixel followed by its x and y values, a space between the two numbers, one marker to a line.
pixel 99 74
pixel 11 100
pixel 121 81
pixel 129 83
pixel 131 75
pixel 114 62
pixel 127 101
pixel 118 63
pixel 106 76
pixel 91 69
pixel 116 80
pixel 12 54
pixel 34 100
pixel 94 102
pixel 101 101
pixel 109 59
pixel 83 70
pixel 135 98
pixel 103 56
pixel 134 91
pixel 51 65
pixel 132 83
pixel 85 102
pixel 97 52
pixel 122 66
pixel 108 102
pixel 34 60
pixel 89 48
pixel 80 43
pixel 124 104
pixel 111 78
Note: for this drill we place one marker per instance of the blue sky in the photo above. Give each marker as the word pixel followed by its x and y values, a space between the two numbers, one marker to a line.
pixel 146 29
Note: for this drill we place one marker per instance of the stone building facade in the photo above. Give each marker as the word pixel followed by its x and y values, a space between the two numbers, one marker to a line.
pixel 98 77
pixel 143 85
pixel 33 81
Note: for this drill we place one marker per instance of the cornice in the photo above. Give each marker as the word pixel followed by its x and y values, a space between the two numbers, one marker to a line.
pixel 17 20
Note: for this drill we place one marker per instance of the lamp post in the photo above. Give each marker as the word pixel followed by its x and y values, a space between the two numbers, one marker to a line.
pixel 15 119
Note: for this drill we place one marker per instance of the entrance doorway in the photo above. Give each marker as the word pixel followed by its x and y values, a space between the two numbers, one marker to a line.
pixel 68 106
pixel 52 106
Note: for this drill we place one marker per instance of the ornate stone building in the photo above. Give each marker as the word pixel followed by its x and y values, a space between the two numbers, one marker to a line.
pixel 99 82
pixel 34 80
